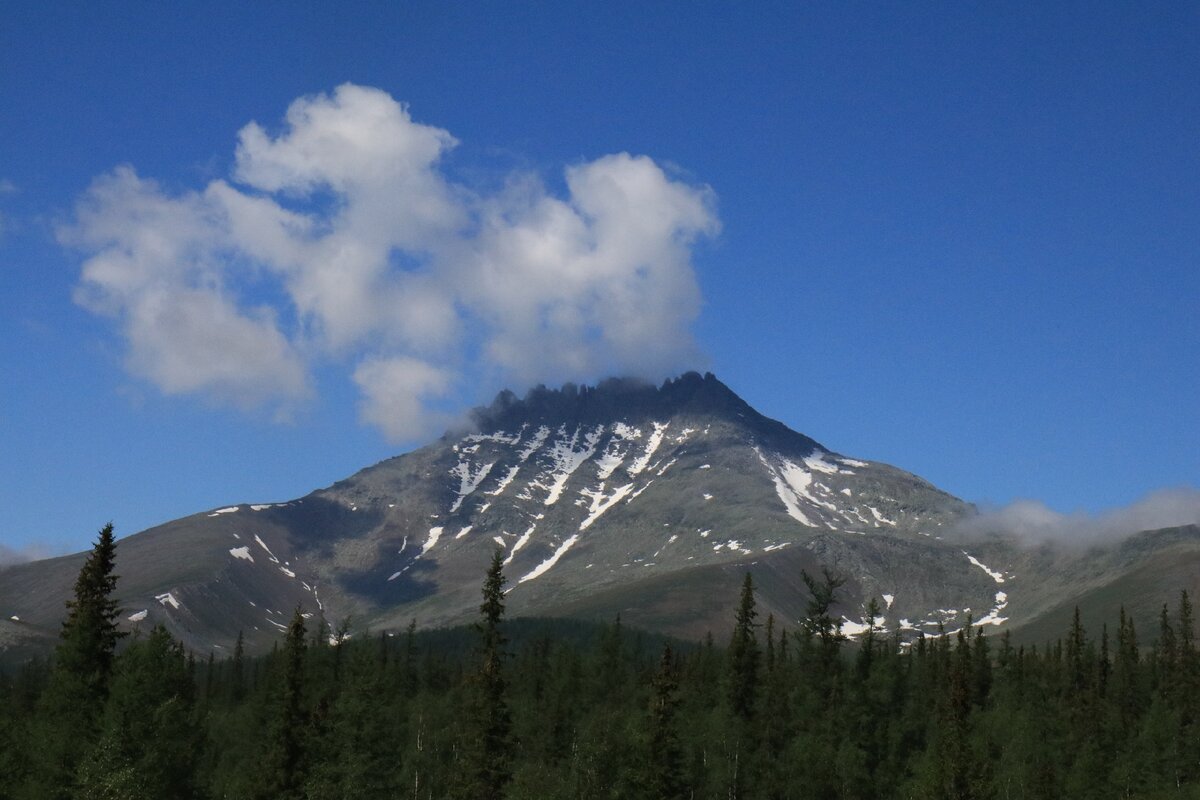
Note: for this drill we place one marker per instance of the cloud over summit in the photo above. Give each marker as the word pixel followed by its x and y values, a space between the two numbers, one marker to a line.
pixel 341 239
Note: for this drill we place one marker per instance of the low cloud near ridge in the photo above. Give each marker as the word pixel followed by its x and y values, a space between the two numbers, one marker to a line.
pixel 33 552
pixel 1034 523
pixel 341 240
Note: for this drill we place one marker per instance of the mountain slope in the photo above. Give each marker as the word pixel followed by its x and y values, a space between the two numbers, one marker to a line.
pixel 625 498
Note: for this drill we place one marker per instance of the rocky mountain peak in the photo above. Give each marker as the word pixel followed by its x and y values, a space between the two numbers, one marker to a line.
pixel 651 501
pixel 633 400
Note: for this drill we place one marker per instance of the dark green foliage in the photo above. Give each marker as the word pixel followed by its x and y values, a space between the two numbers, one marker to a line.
pixel 744 656
pixel 67 724
pixel 282 768
pixel 664 778
pixel 819 621
pixel 550 709
pixel 148 743
pixel 89 634
pixel 487 745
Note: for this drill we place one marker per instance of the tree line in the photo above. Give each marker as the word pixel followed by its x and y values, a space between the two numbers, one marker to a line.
pixel 513 709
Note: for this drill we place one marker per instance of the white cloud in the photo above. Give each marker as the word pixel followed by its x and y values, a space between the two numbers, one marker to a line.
pixel 30 552
pixel 1033 522
pixel 341 236
pixel 188 340
pixel 160 268
pixel 598 284
pixel 397 392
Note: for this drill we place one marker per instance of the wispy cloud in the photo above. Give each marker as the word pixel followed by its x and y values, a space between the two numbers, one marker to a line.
pixel 7 187
pixel 1032 522
pixel 341 239
pixel 10 556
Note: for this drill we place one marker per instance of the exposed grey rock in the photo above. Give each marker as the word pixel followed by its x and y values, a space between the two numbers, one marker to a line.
pixel 624 498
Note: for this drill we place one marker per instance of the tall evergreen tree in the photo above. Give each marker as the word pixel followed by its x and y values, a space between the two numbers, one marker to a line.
pixel 489 746
pixel 1166 655
pixel 237 668
pixel 70 708
pixel 1076 671
pixel 664 779
pixel 89 634
pixel 1187 632
pixel 283 765
pixel 744 655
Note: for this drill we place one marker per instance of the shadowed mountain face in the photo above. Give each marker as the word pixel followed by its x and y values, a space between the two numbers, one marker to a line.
pixel 651 502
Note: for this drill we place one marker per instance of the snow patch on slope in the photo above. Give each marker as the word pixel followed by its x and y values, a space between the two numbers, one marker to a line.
pixel 500 437
pixel 600 502
pixel 652 443
pixel 852 628
pixel 787 493
pixel 524 540
pixel 566 456
pixel 535 444
pixel 993 617
pixel 880 517
pixel 613 457
pixel 468 480
pixel 817 463
pixel 545 566
pixel 505 481
pixel 998 577
pixel 435 533
pixel 263 545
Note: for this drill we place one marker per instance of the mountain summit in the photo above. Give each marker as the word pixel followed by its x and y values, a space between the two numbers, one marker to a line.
pixel 647 501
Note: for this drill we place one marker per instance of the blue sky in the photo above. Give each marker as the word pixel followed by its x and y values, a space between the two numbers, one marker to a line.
pixel 962 239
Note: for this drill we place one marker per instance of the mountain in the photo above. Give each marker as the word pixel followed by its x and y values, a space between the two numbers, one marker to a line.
pixel 647 501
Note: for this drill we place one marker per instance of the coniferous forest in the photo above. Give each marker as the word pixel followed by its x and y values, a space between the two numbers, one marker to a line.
pixel 549 709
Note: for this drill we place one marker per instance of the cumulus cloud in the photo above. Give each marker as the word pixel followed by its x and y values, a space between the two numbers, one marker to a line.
pixel 161 268
pixel 342 239
pixel 1033 522
pixel 596 284
pixel 397 394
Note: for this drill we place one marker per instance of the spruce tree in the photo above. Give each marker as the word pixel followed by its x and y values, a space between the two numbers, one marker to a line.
pixel 237 679
pixel 744 656
pixel 489 747
pixel 283 765
pixel 408 661
pixel 1186 630
pixel 89 634
pixel 70 709
pixel 1166 655
pixel 664 779
pixel 1076 673
pixel 770 635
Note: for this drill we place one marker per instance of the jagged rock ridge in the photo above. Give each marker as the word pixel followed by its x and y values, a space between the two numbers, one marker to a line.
pixel 649 501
